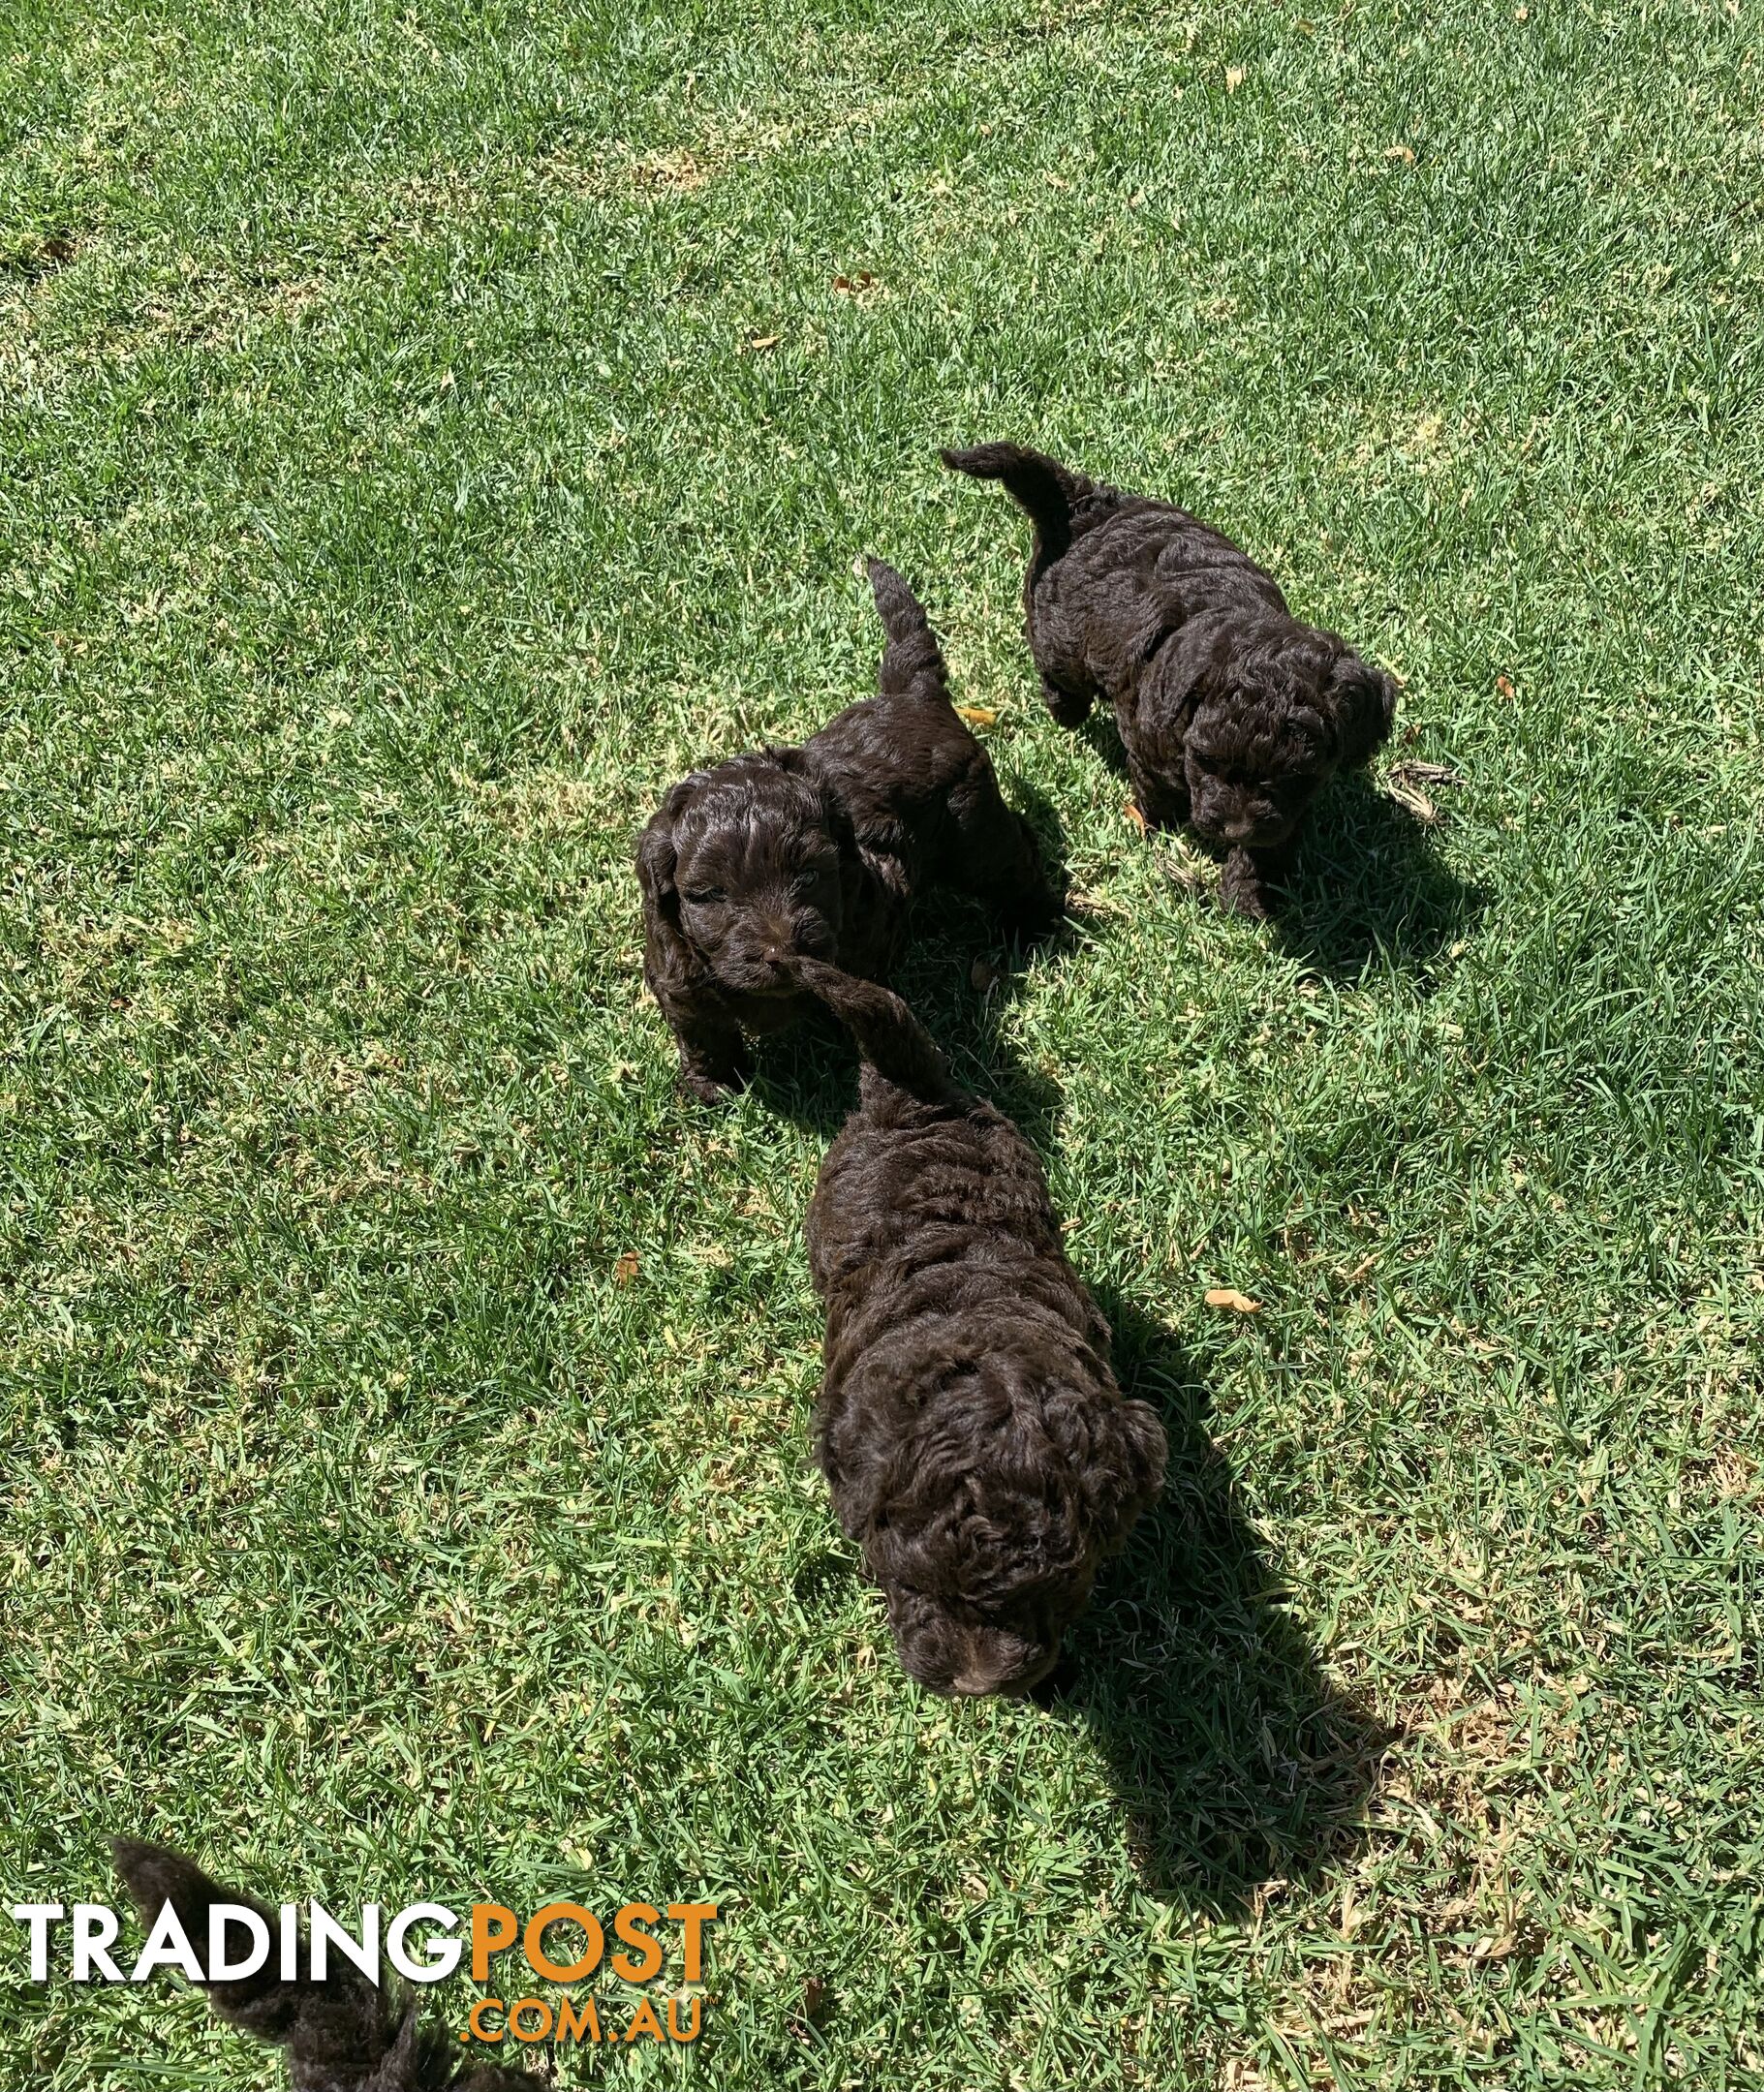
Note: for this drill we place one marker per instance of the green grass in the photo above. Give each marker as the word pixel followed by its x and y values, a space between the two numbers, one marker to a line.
pixel 396 497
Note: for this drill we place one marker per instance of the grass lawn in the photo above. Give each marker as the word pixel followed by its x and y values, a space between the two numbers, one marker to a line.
pixel 430 429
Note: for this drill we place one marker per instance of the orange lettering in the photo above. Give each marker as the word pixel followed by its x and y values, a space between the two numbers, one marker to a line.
pixel 493 1930
pixel 644 2021
pixel 647 1963
pixel 530 2005
pixel 693 1917
pixel 532 1942
pixel 673 2025
pixel 570 2027
pixel 474 2020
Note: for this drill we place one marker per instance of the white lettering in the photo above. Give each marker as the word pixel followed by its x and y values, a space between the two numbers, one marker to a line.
pixel 167 1942
pixel 328 1933
pixel 39 1916
pixel 220 1917
pixel 441 1954
pixel 94 1929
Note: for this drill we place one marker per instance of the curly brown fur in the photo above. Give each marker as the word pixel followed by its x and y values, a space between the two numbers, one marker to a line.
pixel 969 1424
pixel 1232 712
pixel 341 2035
pixel 818 850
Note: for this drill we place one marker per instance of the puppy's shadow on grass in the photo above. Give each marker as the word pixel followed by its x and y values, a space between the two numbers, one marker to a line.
pixel 960 977
pixel 1239 1764
pixel 1368 882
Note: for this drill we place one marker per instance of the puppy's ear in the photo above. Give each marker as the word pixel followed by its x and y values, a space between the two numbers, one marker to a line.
pixel 656 857
pixel 1362 702
pixel 670 960
pixel 1117 1454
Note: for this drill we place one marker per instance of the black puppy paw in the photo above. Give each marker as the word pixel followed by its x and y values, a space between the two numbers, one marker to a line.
pixel 1241 888
pixel 714 1085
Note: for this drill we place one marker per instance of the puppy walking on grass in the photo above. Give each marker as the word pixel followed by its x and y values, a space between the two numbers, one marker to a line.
pixel 970 1428
pixel 342 2034
pixel 819 851
pixel 1232 712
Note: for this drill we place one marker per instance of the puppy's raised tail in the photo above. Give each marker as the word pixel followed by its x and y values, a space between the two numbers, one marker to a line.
pixel 913 661
pixel 890 1038
pixel 342 2034
pixel 1045 491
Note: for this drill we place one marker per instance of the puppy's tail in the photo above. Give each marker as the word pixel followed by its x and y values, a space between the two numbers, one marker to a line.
pixel 913 661
pixel 1046 492
pixel 890 1038
pixel 341 2033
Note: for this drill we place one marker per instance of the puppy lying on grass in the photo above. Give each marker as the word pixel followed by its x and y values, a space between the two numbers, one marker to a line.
pixel 341 2035
pixel 1233 714
pixel 970 1428
pixel 819 851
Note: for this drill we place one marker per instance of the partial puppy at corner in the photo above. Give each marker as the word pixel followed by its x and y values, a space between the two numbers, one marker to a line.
pixel 817 851
pixel 1232 712
pixel 969 1425
pixel 341 2035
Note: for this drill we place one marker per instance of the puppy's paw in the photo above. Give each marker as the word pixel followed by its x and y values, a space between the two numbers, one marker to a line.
pixel 1241 891
pixel 1033 916
pixel 714 1085
pixel 1067 710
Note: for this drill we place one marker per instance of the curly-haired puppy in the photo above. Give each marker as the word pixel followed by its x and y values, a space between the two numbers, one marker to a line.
pixel 1233 714
pixel 341 2035
pixel 969 1425
pixel 818 850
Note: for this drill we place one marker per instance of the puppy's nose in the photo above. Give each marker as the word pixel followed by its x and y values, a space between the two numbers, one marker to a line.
pixel 774 955
pixel 1009 1672
pixel 977 1684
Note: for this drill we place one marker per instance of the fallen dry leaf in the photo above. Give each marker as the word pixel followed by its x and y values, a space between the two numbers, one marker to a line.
pixel 853 286
pixel 1224 1296
pixel 1405 153
pixel 1414 802
pixel 814 1998
pixel 978 714
pixel 763 341
pixel 1235 78
pixel 1133 814
pixel 626 1269
pixel 1424 773
pixel 1503 685
pixel 1403 781
pixel 1183 873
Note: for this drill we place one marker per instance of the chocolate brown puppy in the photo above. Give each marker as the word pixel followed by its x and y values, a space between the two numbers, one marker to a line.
pixel 969 1425
pixel 819 851
pixel 1233 713
pixel 341 2035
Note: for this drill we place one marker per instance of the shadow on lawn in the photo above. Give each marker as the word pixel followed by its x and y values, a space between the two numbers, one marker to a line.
pixel 1365 878
pixel 1240 1765
pixel 960 977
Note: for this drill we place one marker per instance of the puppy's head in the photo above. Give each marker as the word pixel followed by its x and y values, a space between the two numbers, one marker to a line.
pixel 987 1511
pixel 744 863
pixel 1273 727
